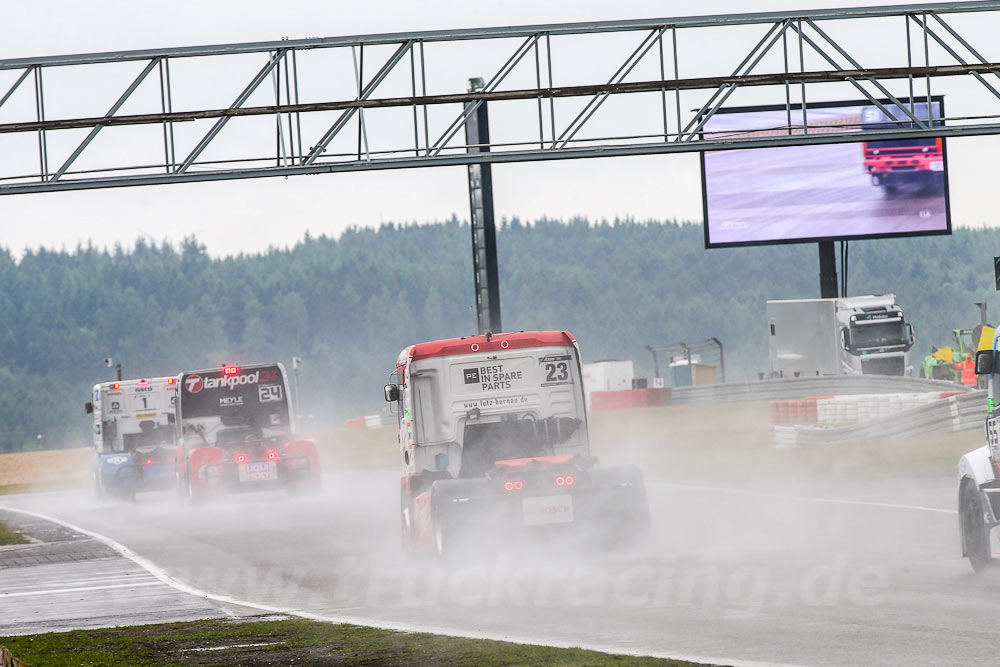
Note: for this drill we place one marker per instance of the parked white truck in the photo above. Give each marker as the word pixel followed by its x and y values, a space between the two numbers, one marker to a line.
pixel 493 440
pixel 843 336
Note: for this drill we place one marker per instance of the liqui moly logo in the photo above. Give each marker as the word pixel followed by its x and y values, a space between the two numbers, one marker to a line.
pixel 195 383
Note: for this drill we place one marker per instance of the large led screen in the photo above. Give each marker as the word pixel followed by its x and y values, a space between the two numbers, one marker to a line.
pixel 820 192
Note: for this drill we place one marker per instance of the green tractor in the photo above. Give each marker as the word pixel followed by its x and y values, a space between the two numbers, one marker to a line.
pixel 940 363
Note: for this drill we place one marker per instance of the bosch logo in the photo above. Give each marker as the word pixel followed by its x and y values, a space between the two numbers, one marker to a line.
pixel 193 383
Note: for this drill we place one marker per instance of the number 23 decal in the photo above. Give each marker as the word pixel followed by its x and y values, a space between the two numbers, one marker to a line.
pixel 557 372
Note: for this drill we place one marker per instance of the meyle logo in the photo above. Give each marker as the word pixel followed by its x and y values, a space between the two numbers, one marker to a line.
pixel 193 383
pixel 226 401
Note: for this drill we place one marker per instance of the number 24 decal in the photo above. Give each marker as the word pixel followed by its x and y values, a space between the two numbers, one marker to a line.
pixel 557 372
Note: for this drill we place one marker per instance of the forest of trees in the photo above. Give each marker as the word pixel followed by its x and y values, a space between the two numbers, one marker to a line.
pixel 348 305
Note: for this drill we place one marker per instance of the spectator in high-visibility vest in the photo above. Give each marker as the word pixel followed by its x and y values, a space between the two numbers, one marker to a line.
pixel 968 368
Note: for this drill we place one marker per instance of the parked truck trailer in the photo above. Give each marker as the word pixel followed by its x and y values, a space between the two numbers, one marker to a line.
pixel 843 336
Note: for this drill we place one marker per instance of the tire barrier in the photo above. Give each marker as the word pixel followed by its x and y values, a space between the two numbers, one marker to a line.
pixel 797 388
pixel 935 414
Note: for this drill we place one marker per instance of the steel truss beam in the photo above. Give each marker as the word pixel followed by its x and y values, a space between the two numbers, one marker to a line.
pixel 378 148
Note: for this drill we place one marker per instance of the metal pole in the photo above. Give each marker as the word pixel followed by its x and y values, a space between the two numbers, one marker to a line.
pixel 827 270
pixel 296 362
pixel 481 221
pixel 118 369
pixel 722 358
pixel 656 361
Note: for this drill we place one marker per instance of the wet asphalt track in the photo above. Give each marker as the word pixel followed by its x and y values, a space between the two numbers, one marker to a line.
pixel 800 575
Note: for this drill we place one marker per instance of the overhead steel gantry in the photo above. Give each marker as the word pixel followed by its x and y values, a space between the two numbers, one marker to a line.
pixel 307 129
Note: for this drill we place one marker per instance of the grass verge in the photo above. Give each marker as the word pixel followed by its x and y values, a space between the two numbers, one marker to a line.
pixel 42 487
pixel 284 642
pixel 10 536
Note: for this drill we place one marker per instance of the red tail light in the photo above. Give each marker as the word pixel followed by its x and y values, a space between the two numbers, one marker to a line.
pixel 241 458
pixel 513 485
pixel 230 370
pixel 272 455
pixel 565 481
pixel 149 461
pixel 171 380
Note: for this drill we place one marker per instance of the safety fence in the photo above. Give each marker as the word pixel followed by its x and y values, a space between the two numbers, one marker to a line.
pixel 791 388
pixel 839 410
pixel 953 412
pixel 371 421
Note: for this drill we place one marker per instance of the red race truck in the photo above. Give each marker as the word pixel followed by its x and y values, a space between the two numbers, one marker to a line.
pixel 894 163
pixel 494 441
pixel 237 434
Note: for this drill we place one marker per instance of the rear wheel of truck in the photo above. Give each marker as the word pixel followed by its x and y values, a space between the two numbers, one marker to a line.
pixel 190 494
pixel 407 534
pixel 974 533
pixel 627 520
pixel 454 517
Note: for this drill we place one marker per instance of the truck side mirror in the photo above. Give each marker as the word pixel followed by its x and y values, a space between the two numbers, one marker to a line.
pixel 913 336
pixel 391 393
pixel 984 362
pixel 88 407
pixel 845 338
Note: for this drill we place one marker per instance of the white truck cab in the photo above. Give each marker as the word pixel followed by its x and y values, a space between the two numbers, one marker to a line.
pixel 979 470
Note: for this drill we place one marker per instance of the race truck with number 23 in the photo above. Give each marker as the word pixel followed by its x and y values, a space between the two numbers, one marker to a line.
pixel 134 436
pixel 494 441
pixel 237 434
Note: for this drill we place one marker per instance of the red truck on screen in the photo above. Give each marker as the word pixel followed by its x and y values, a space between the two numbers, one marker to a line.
pixel 494 443
pixel 237 434
pixel 893 163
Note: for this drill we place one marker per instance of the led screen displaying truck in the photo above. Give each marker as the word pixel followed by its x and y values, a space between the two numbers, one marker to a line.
pixel 835 191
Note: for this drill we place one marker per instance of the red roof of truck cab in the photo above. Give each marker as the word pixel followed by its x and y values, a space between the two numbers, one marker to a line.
pixel 496 343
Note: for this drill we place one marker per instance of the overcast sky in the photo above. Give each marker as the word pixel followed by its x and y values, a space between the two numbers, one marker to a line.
pixel 249 216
